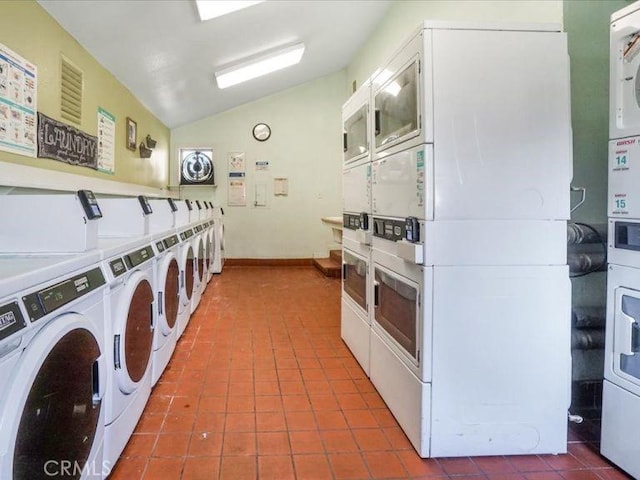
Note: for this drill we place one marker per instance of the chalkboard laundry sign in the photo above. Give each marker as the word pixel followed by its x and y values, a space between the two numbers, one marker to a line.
pixel 65 143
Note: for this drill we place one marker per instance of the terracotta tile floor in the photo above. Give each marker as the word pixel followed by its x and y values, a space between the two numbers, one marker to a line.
pixel 261 386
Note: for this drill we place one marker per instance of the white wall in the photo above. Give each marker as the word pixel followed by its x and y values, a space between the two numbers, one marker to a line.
pixel 305 146
pixel 404 17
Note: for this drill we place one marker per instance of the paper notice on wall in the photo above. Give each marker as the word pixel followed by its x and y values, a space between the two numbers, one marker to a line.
pixel 236 162
pixel 237 190
pixel 18 103
pixel 262 166
pixel 281 186
pixel 106 141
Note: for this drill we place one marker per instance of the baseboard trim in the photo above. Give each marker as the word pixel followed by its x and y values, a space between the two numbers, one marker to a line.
pixel 268 262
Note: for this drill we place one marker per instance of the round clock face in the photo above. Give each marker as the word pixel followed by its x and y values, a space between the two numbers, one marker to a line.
pixel 261 132
pixel 197 167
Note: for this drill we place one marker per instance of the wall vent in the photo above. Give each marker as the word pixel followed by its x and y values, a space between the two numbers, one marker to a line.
pixel 71 84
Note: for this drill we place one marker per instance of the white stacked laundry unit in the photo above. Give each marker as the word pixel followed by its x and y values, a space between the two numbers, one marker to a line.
pixel 472 163
pixel 621 386
pixel 356 237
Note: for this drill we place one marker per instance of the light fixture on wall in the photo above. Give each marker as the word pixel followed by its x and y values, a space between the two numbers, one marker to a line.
pixel 151 143
pixel 261 65
pixel 144 151
pixel 208 9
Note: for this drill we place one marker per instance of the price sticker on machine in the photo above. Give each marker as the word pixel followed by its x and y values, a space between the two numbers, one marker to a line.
pixel 620 204
pixel 621 160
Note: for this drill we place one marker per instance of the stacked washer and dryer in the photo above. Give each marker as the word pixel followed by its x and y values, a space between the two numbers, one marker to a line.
pixel 355 324
pixel 467 289
pixel 621 386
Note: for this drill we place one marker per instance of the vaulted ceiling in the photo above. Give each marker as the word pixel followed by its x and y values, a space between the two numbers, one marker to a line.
pixel 164 54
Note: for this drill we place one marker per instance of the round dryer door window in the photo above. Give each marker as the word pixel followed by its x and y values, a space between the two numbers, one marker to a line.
pixel 138 338
pixel 200 259
pixel 171 294
pixel 197 169
pixel 60 418
pixel 188 274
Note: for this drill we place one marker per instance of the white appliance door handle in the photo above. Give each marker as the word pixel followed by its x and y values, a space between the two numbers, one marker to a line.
pixel 623 339
pixel 376 294
pixel 99 379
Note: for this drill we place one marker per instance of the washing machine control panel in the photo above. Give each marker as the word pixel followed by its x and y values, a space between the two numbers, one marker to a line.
pixel 350 221
pixel 11 320
pixel 49 299
pixel 389 229
pixel 186 234
pixel 144 203
pixel 117 267
pixel 170 241
pixel 138 257
pixel 89 204
pixel 160 246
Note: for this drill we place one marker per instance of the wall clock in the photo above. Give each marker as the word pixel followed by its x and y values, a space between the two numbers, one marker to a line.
pixel 261 132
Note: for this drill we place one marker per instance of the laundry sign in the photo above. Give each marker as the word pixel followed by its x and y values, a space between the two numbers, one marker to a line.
pixel 65 143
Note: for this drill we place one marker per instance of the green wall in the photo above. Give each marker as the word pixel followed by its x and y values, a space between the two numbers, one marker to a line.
pixel 27 29
pixel 587 27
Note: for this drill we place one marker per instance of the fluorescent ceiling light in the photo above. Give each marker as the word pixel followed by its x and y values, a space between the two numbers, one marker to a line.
pixel 209 9
pixel 260 66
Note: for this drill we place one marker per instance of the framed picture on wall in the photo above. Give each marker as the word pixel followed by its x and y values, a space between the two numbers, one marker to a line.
pixel 132 134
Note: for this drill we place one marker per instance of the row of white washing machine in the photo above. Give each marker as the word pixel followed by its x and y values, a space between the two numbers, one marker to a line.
pixel 456 293
pixel 94 294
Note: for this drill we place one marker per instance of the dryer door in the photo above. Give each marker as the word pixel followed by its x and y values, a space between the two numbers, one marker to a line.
pixel 187 274
pixel 168 294
pixel 626 334
pixel 58 388
pixel 209 248
pixel 397 311
pixel 200 258
pixel 133 336
pixel 354 278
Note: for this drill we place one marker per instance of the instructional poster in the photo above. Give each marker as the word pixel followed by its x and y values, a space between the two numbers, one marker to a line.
pixel 237 183
pixel 18 103
pixel 237 190
pixel 106 141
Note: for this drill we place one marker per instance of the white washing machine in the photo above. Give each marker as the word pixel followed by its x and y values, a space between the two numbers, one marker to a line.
pixel 52 364
pixel 129 264
pixel 167 283
pixel 218 247
pixel 200 270
pixel 129 332
pixel 52 344
pixel 621 387
pixel 624 70
pixel 187 264
pixel 199 251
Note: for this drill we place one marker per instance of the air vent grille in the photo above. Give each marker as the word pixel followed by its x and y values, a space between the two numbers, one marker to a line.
pixel 71 93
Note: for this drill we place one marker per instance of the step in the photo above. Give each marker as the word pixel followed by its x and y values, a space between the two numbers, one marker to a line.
pixel 328 266
pixel 336 255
